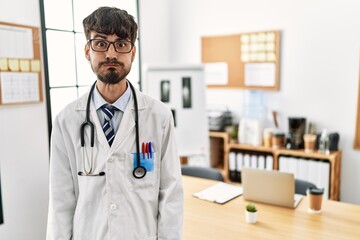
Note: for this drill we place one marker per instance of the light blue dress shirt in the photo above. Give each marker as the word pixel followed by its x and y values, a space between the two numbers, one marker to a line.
pixel 120 104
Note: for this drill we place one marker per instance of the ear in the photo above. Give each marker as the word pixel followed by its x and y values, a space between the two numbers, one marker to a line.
pixel 133 53
pixel 87 51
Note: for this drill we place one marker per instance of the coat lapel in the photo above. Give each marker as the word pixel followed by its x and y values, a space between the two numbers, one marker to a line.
pixel 127 125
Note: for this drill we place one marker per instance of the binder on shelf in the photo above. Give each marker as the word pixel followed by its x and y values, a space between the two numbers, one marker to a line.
pixel 283 164
pixel 261 162
pixel 232 166
pixel 292 166
pixel 253 161
pixel 313 172
pixel 239 165
pixel 247 160
pixel 324 177
pixel 269 162
pixel 303 169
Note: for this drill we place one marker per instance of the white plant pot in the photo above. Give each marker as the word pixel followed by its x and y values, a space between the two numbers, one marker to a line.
pixel 251 217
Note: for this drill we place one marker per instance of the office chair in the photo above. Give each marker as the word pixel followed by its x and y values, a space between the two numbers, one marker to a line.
pixel 202 172
pixel 301 186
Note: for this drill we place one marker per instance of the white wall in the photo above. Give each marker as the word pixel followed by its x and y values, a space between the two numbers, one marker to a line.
pixel 319 80
pixel 24 153
pixel 319 58
pixel 154 32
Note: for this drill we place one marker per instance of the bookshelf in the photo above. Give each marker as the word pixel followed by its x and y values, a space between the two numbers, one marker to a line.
pixel 334 158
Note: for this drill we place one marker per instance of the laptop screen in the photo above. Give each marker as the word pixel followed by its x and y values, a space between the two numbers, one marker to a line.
pixel 271 187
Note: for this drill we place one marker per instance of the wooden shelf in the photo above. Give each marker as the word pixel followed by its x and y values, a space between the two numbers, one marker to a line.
pixel 334 158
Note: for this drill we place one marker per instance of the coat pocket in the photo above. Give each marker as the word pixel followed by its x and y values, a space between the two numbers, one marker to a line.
pixel 151 178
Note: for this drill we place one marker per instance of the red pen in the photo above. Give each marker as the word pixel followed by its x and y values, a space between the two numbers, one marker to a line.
pixel 143 149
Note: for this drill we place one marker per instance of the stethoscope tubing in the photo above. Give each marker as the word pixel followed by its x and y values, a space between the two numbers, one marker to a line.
pixel 139 171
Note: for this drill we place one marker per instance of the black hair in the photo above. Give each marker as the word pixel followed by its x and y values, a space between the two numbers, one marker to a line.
pixel 111 20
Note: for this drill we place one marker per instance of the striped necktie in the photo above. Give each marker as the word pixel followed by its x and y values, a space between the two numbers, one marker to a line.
pixel 108 111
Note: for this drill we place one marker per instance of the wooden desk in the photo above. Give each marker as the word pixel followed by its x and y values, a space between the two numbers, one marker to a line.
pixel 206 221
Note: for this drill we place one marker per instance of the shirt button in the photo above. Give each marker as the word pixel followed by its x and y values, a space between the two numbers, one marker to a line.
pixel 113 206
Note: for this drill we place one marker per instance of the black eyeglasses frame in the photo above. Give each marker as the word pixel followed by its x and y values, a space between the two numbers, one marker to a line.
pixel 113 43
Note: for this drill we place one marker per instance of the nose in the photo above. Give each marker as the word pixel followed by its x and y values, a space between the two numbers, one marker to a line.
pixel 111 54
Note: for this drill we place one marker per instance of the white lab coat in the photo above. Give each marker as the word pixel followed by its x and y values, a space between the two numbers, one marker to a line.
pixel 115 206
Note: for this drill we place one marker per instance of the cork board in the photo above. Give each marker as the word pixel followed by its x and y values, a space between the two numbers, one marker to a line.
pixel 20 64
pixel 253 59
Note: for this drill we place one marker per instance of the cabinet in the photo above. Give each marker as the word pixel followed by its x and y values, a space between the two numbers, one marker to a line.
pixel 334 159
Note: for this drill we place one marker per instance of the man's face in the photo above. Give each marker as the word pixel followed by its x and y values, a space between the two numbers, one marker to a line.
pixel 110 67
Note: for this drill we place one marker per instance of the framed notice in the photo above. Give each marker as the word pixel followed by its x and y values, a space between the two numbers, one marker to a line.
pixel 20 64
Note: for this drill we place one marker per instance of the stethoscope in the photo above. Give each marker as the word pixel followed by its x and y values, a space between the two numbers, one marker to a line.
pixel 139 171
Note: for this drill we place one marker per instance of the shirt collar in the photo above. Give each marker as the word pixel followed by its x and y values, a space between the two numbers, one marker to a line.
pixel 120 104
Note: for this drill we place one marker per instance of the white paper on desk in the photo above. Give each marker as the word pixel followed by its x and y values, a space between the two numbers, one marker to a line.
pixel 220 192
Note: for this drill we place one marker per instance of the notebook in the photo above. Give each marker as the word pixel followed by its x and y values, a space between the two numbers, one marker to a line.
pixel 271 187
pixel 220 193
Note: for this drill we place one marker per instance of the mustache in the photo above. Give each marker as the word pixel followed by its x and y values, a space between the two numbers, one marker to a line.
pixel 112 62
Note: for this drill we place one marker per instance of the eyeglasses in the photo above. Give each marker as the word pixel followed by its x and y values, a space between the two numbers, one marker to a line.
pixel 102 45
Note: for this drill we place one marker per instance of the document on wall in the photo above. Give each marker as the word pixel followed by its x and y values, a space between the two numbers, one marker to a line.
pixel 260 74
pixel 19 87
pixel 216 73
pixel 16 42
pixel 220 193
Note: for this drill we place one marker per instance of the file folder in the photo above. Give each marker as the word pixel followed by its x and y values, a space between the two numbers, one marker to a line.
pixel 269 162
pixel 239 166
pixel 232 166
pixel 253 161
pixel 261 162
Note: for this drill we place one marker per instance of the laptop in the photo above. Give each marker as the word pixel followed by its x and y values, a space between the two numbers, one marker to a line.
pixel 271 187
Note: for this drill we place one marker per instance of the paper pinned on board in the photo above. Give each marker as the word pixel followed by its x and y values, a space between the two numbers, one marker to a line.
pixel 216 73
pixel 260 74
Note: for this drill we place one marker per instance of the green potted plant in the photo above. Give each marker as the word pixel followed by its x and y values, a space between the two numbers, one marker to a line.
pixel 251 213
pixel 234 135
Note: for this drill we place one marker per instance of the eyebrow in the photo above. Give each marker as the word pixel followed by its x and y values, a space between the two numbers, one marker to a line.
pixel 98 35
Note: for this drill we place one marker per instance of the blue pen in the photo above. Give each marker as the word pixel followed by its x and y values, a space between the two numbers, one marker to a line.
pixel 150 150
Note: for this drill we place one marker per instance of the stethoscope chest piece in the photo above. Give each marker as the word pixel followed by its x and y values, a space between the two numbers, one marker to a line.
pixel 139 172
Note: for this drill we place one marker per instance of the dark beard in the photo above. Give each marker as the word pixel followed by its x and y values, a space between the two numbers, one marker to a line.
pixel 112 76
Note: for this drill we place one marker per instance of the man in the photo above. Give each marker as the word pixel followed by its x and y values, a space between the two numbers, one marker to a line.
pixel 101 192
